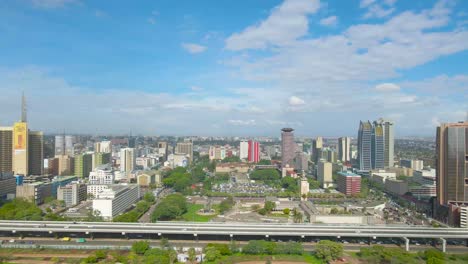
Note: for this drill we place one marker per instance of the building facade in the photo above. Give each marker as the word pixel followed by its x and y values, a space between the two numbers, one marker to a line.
pixel 116 200
pixel 348 183
pixel 325 174
pixel 344 149
pixel 254 151
pixel 83 165
pixel 185 148
pixel 288 147
pixel 127 160
pixel 243 150
pixel 72 194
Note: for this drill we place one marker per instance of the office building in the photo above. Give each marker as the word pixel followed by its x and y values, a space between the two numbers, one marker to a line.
pixel 163 150
pixel 148 178
pixel 304 188
pixel 103 147
pixel 34 192
pixel 185 148
pixel 6 153
pixel 389 142
pixel 72 194
pixel 288 147
pixel 365 146
pixel 244 150
pixel 127 160
pixel 116 200
pixel 83 165
pixel 69 145
pixel 36 153
pixel 331 156
pixel 177 160
pixel 344 149
pixel 7 185
pixel 451 163
pixel 20 148
pixel 60 181
pixel 51 166
pixel 395 186
pixel 348 183
pixel 317 146
pixel 301 162
pixel 101 158
pixel 103 174
pixel 325 174
pixel 254 151
pixel 66 165
pixel 217 152
pixel 377 147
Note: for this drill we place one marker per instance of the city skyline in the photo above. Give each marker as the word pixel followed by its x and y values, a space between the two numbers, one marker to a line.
pixel 233 74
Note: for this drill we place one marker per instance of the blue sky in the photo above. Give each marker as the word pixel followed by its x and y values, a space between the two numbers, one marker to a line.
pixel 234 67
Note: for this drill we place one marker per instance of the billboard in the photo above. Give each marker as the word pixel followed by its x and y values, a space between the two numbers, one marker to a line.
pixel 20 136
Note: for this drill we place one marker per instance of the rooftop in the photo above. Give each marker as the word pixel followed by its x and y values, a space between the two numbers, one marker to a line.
pixel 348 174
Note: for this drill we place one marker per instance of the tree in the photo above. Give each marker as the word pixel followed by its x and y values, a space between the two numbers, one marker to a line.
pixel 231 159
pixel 334 210
pixel 212 254
pixel 171 207
pixel 286 211
pixel 297 217
pixel 192 255
pixel 328 250
pixel 20 209
pixel 164 243
pixel 269 206
pixel 172 256
pixel 265 175
pixel 226 205
pixel 140 247
pixel 149 197
pixel 264 162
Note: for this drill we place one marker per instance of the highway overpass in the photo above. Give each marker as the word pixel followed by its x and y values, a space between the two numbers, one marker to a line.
pixel 237 231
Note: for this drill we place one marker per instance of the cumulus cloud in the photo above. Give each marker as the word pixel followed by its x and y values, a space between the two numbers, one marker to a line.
pixel 329 21
pixel 387 87
pixel 196 88
pixel 49 4
pixel 295 101
pixel 366 3
pixel 193 48
pixel 286 23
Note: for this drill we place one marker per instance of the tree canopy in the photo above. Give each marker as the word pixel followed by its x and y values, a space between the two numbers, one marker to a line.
pixel 171 207
pixel 265 175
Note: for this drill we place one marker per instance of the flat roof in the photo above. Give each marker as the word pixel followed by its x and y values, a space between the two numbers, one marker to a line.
pixel 348 174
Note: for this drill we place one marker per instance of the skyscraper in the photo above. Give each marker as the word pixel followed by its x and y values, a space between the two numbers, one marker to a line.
pixel 254 151
pixel 69 141
pixel 6 153
pixel 344 149
pixel 20 148
pixel 36 153
pixel 317 146
pixel 287 146
pixel 389 142
pixel 452 163
pixel 365 146
pixel 127 159
pixel 59 145
pixel 243 150
pixel 378 146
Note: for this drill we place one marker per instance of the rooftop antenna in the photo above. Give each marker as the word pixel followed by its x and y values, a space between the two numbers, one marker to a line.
pixel 23 109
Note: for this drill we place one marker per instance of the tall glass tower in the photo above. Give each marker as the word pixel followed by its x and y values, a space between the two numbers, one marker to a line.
pixel 365 146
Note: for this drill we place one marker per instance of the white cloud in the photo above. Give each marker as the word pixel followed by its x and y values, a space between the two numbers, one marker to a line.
pixel 387 87
pixel 329 21
pixel 390 2
pixel 151 20
pixel 237 122
pixel 366 3
pixel 285 24
pixel 295 101
pixel 377 11
pixel 49 4
pixel 193 48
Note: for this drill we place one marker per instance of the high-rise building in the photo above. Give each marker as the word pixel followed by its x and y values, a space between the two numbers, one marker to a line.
pixel 325 174
pixel 288 147
pixel 20 148
pixel 254 151
pixel 100 158
pixel 348 183
pixel 185 148
pixel 36 153
pixel 244 150
pixel 389 142
pixel 83 165
pixel 163 150
pixel 378 146
pixel 452 163
pixel 365 146
pixel 66 165
pixel 69 149
pixel 127 159
pixel 59 145
pixel 6 153
pixel 344 149
pixel 72 193
pixel 317 146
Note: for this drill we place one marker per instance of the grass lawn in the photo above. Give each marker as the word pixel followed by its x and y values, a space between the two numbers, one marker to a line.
pixel 192 215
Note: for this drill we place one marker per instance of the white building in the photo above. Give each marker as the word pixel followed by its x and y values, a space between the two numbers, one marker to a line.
pixel 72 193
pixel 177 160
pixel 127 159
pixel 116 200
pixel 382 176
pixel 103 147
pixel 102 175
pixel 244 150
pixel 325 174
pixel 464 216
pixel 426 177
